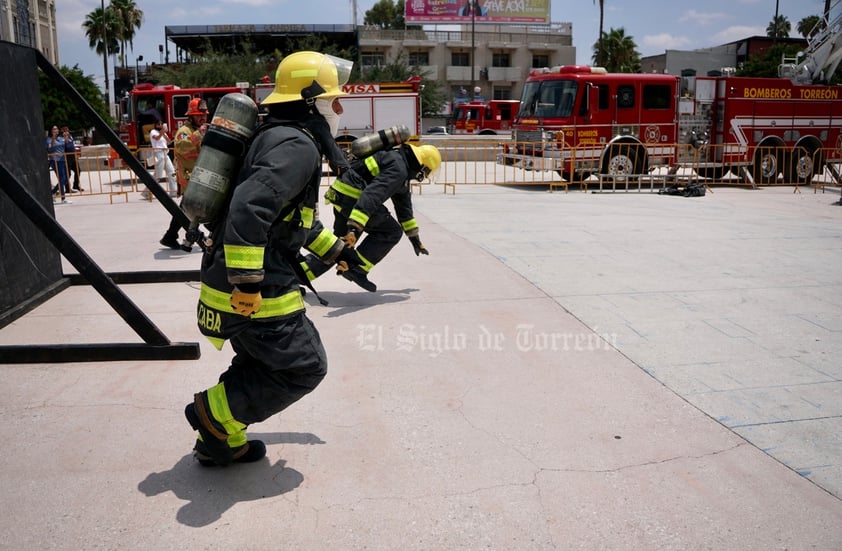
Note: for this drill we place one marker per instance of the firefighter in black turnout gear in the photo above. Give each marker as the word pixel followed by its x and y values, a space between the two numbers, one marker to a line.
pixel 358 196
pixel 250 292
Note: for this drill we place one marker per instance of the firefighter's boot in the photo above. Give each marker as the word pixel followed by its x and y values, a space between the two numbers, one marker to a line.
pixel 170 240
pixel 358 276
pixel 221 435
pixel 251 451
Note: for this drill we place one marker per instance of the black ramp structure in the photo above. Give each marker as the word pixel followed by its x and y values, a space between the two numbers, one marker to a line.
pixel 31 238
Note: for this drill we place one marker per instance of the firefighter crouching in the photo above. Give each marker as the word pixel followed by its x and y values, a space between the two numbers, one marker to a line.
pixel 249 288
pixel 357 197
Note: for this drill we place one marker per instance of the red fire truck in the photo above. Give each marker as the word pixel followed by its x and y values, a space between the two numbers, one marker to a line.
pixel 580 120
pixel 484 118
pixel 371 106
pixel 147 103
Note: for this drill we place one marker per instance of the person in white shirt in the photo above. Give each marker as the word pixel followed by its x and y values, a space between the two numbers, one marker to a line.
pixel 159 140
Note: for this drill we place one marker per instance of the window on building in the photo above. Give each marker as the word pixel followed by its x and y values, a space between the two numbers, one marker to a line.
pixel 417 59
pixel 657 96
pixel 540 60
pixel 503 59
pixel 625 96
pixel 460 59
pixel 372 59
pixel 502 93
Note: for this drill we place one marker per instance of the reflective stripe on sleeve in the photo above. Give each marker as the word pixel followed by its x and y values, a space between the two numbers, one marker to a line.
pixel 372 166
pixel 345 189
pixel 410 224
pixel 244 257
pixel 323 243
pixel 359 217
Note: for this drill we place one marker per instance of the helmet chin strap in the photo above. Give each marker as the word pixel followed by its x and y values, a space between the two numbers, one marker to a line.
pixel 309 94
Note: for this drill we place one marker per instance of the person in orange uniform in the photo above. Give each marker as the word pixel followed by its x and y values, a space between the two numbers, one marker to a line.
pixel 187 144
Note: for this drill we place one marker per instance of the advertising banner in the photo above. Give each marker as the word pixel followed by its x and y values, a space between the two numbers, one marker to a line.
pixel 480 11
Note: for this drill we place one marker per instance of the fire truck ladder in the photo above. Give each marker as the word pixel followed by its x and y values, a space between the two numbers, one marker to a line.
pixel 823 54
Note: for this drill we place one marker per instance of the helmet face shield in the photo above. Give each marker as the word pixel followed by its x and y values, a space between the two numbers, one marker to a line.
pixel 343 69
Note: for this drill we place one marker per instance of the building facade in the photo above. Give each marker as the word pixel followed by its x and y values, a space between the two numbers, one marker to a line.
pixel 31 23
pixel 495 58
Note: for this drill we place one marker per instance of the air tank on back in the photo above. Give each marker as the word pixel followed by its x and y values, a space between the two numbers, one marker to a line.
pixel 224 144
pixel 382 139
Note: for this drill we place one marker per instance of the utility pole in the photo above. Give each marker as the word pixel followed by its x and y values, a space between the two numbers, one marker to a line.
pixel 473 48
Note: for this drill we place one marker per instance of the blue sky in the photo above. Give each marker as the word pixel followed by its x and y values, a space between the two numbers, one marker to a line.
pixel 654 25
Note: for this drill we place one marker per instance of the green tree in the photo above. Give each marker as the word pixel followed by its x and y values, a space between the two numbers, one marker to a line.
pixel 59 110
pixel 619 50
pixel 432 92
pixel 129 19
pixel 599 56
pixel 779 27
pixel 217 69
pixel 810 26
pixel 101 30
pixel 766 64
pixel 388 15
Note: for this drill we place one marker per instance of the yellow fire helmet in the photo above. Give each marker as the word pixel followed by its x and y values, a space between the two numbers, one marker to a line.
pixel 429 158
pixel 309 75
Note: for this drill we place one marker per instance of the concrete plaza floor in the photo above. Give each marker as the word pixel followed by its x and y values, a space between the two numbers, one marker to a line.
pixel 564 371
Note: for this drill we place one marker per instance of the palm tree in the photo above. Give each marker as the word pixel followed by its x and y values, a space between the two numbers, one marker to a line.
pixel 599 58
pixel 101 32
pixel 129 19
pixel 620 53
pixel 810 26
pixel 779 27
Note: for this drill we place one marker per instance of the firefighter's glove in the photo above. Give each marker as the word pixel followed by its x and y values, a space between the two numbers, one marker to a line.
pixel 353 235
pixel 246 299
pixel 417 245
pixel 348 257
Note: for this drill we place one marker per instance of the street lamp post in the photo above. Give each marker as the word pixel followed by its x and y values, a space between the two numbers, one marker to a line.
pixel 136 63
pixel 420 109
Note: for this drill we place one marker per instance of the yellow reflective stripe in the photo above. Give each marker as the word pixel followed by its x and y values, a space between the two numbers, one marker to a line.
pixel 307 271
pixel 221 412
pixel 359 216
pixel 217 343
pixel 300 73
pixel 345 189
pixel 244 257
pixel 371 165
pixel 410 224
pixel 288 303
pixel 217 300
pixel 322 244
pixel 367 264
pixel 307 216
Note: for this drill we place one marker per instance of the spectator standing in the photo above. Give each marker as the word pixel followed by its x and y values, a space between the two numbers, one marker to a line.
pixel 159 140
pixel 55 149
pixel 71 157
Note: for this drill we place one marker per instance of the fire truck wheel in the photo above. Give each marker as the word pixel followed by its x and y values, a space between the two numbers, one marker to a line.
pixel 622 161
pixel 804 164
pixel 766 165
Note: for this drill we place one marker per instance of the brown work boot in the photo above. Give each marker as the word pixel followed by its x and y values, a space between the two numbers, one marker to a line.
pixel 214 437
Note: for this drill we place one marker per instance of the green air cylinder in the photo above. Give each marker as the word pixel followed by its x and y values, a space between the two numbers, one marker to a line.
pixel 222 150
pixel 382 139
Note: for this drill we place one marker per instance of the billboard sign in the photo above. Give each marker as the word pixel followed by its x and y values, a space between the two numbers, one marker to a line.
pixel 480 11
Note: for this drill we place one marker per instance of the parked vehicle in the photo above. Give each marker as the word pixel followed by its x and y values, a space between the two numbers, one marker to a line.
pixel 483 118
pixel 581 120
